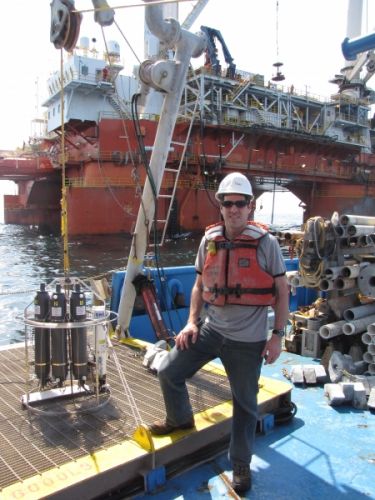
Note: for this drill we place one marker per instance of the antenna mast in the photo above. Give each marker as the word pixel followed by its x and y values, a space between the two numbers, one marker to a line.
pixel 279 77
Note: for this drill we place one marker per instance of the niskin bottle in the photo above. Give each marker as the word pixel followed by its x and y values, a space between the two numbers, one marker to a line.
pixel 42 339
pixel 59 358
pixel 78 335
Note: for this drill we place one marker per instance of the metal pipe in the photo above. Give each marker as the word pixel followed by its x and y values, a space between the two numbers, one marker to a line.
pixel 347 220
pixel 371 349
pixel 351 271
pixel 344 283
pixel 358 230
pixel 359 312
pixel 333 272
pixel 358 325
pixel 331 330
pixel 351 48
pixel 369 358
pixel 325 285
pixel 367 338
pixel 371 329
pixel 371 368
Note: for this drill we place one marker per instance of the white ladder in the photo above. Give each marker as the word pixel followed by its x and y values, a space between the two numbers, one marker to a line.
pixel 162 224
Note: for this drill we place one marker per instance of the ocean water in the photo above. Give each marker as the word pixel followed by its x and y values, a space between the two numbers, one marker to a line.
pixel 28 259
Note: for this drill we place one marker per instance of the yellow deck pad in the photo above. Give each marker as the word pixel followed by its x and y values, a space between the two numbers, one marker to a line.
pixel 58 478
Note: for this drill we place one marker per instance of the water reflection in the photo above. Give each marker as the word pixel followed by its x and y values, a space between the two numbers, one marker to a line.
pixel 28 258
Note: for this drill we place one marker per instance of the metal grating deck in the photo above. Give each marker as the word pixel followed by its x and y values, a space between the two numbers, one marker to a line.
pixel 32 443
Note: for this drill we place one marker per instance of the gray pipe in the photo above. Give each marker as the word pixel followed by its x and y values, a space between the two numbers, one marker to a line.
pixel 358 230
pixel 346 220
pixel 331 330
pixel 358 325
pixel 351 271
pixel 344 283
pixel 359 312
pixel 333 272
pixel 326 285
pixel 367 338
pixel 369 358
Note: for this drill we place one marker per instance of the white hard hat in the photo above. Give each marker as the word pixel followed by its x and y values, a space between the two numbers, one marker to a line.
pixel 234 183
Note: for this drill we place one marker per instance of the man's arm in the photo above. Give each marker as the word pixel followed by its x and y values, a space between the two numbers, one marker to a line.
pixel 191 329
pixel 272 349
pixel 281 306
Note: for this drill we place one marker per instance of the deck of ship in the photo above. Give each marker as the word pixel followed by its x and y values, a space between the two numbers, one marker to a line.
pixel 63 448
pixel 324 452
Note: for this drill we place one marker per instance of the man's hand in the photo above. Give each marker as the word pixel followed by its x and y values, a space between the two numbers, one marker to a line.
pixel 188 334
pixel 272 350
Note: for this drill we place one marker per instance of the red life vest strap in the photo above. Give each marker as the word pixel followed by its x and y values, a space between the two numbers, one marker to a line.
pixel 238 290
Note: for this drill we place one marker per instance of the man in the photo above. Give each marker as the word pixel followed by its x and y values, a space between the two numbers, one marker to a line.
pixel 240 272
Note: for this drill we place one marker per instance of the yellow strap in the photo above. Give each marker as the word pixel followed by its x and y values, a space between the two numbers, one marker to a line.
pixel 64 202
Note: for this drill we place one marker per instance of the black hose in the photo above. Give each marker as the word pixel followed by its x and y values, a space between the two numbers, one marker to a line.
pixel 285 414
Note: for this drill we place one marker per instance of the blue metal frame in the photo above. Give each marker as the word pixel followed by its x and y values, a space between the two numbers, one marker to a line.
pixel 180 279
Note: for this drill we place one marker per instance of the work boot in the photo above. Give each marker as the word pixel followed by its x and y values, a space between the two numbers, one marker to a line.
pixel 241 478
pixel 161 427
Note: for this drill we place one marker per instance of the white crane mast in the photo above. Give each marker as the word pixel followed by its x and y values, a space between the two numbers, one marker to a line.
pixel 168 76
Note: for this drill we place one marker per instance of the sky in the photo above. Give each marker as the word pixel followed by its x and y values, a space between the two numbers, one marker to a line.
pixel 305 35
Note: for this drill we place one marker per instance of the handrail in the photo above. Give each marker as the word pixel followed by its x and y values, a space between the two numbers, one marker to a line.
pixel 100 182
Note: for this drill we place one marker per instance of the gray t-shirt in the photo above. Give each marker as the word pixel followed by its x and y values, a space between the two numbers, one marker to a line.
pixel 244 323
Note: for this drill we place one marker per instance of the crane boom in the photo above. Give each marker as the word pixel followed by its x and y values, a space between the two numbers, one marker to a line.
pixel 197 9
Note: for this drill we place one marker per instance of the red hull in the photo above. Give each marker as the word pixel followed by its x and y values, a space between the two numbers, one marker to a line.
pixel 105 174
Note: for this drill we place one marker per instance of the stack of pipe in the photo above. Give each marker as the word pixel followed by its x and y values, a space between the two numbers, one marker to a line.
pixel 356 320
pixel 351 271
pixel 356 231
pixel 288 238
pixel 368 338
pixel 341 277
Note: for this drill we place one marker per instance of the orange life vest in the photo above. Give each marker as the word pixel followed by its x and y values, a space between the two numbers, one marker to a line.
pixel 231 272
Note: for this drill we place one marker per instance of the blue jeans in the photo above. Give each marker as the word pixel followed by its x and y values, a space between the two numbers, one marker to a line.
pixel 242 362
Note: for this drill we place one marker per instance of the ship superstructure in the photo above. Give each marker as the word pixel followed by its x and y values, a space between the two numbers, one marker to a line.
pixel 229 119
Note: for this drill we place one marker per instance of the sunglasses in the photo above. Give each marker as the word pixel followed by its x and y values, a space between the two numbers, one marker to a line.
pixel 238 203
